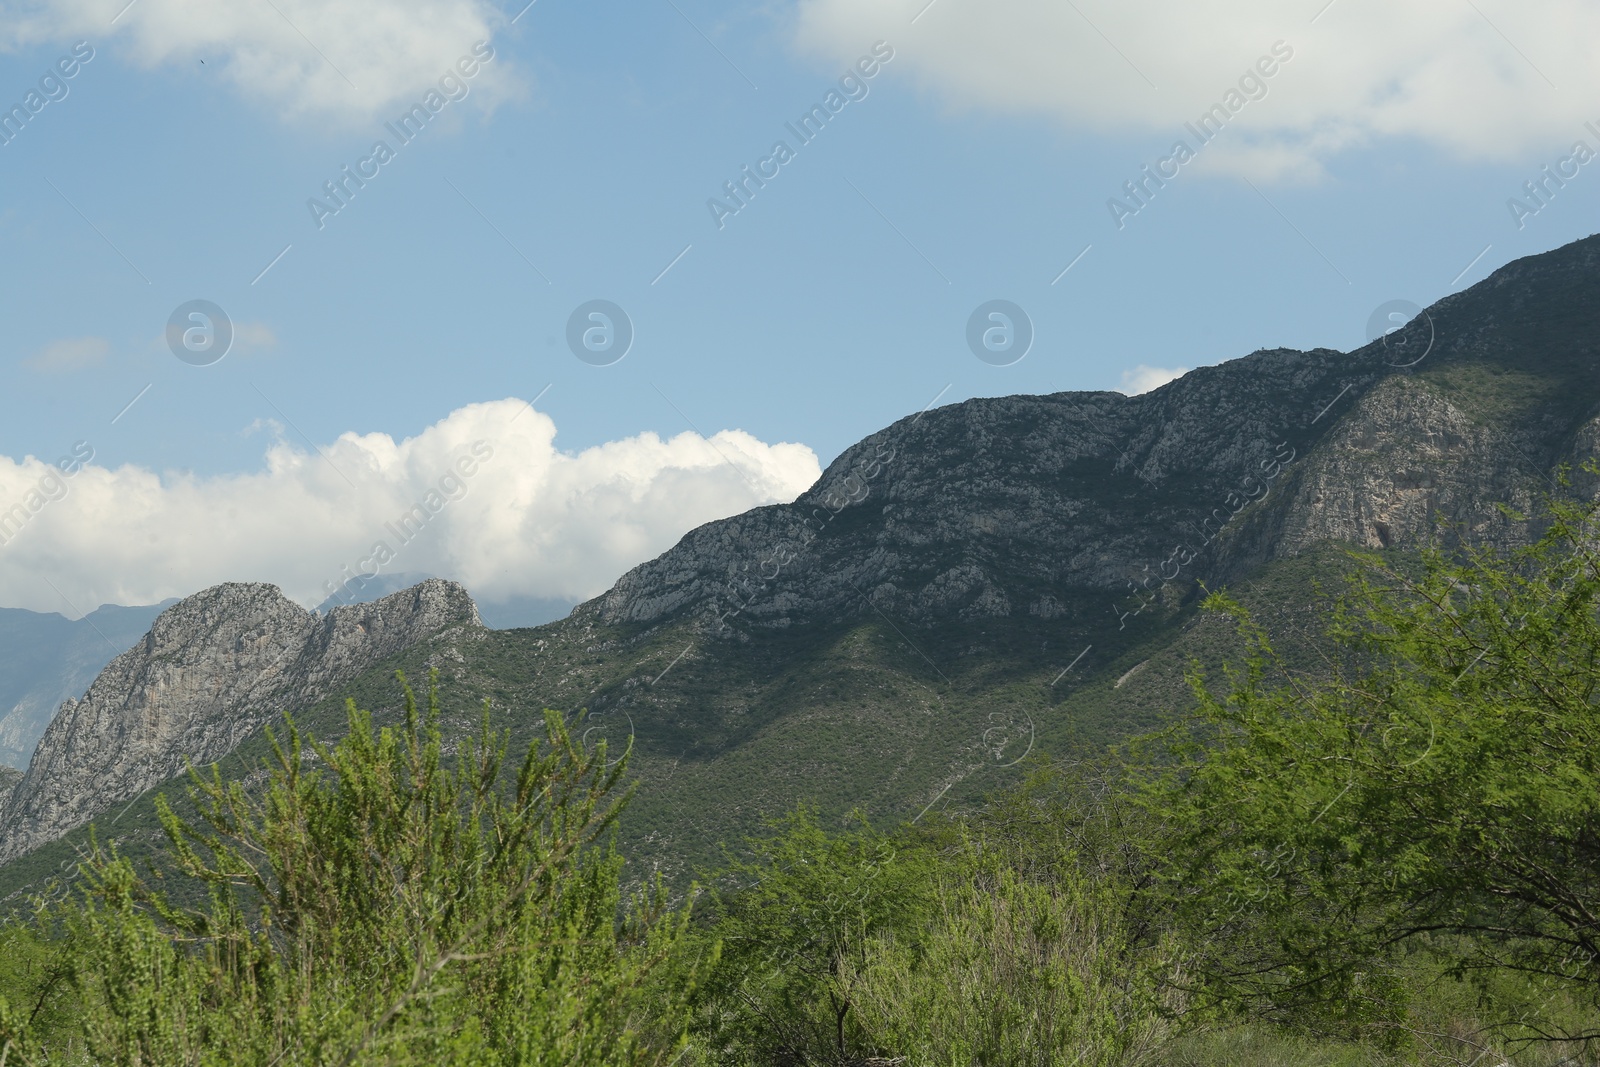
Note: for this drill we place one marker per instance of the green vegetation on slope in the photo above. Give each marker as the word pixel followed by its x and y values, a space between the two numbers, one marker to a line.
pixel 866 715
pixel 1386 857
pixel 376 903
pixel 1449 786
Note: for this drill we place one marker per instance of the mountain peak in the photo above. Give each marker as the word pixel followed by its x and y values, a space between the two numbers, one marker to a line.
pixel 213 667
pixel 1008 505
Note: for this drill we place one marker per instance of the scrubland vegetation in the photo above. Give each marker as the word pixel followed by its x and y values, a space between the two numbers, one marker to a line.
pixel 1393 859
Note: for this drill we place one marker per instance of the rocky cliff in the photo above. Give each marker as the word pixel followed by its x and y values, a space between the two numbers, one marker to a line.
pixel 45 659
pixel 1000 507
pixel 212 668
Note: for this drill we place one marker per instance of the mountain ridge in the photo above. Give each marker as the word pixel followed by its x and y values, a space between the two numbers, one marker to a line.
pixel 212 667
pixel 985 577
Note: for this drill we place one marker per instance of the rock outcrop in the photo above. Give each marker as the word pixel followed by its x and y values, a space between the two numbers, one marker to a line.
pixel 45 660
pixel 212 668
pixel 1013 505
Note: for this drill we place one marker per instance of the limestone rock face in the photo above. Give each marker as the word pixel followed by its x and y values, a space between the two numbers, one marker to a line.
pixel 1404 457
pixel 45 659
pixel 1017 505
pixel 212 668
pixel 1004 506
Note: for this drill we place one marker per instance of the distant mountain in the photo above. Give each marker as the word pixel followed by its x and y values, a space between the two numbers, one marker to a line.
pixel 497 613
pixel 363 590
pixel 969 585
pixel 46 659
pixel 525 611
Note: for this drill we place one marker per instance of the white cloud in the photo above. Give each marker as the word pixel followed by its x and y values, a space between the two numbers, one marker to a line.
pixel 352 60
pixel 1142 378
pixel 529 520
pixel 69 354
pixel 252 335
pixel 1435 70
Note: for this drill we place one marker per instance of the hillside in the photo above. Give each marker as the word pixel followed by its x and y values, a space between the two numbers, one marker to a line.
pixel 213 667
pixel 1014 574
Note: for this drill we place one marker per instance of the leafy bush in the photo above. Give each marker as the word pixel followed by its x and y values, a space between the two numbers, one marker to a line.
pixel 791 931
pixel 1438 789
pixel 388 907
pixel 1017 971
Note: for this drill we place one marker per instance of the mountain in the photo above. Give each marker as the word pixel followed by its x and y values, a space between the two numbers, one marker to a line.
pixel 499 613
pixel 981 581
pixel 213 667
pixel 45 659
pixel 1004 508
pixel 361 589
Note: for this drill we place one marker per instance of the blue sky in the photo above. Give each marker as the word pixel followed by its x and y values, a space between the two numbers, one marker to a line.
pixel 977 166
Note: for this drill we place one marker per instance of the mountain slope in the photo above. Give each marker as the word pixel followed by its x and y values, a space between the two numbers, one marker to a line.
pixel 46 659
pixel 212 668
pixel 996 508
pixel 1004 575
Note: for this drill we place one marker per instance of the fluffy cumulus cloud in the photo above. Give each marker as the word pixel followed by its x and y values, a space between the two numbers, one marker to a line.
pixel 1142 378
pixel 483 496
pixel 354 60
pixel 1476 80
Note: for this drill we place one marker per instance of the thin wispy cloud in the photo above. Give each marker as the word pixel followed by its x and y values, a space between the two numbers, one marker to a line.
pixel 69 354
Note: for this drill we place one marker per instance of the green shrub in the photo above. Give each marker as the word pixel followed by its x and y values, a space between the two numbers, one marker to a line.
pixel 1436 789
pixel 791 932
pixel 386 907
pixel 1018 972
